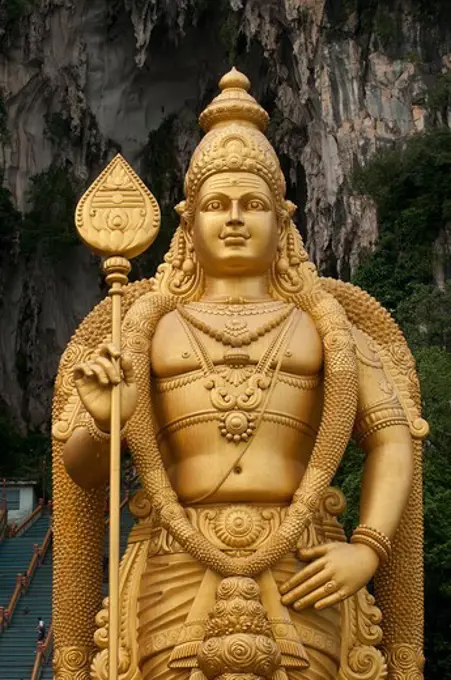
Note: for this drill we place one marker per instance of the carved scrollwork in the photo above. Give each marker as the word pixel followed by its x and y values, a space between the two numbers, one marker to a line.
pixel 139 504
pixel 132 565
pixel 360 660
pixel 71 663
pixel 405 662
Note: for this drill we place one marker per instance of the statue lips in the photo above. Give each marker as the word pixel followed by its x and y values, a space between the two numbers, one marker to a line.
pixel 235 238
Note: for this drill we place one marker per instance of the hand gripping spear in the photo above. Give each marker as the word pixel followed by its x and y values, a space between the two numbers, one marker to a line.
pixel 117 218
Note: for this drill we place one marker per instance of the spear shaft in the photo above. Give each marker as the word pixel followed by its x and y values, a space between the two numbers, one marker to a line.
pixel 116 269
pixel 117 218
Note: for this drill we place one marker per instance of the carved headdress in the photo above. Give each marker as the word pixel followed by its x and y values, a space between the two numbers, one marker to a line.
pixel 234 141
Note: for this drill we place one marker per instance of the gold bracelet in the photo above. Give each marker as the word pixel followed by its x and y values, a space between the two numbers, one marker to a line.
pixel 365 530
pixel 374 539
pixel 99 435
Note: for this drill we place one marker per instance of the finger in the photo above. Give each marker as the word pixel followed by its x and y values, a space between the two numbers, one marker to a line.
pixel 110 370
pixel 127 368
pixel 302 575
pixel 308 554
pixel 330 600
pixel 310 599
pixel 82 371
pixel 100 374
pixel 308 586
pixel 109 351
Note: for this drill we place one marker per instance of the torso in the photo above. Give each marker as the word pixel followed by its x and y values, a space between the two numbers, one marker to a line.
pixel 193 439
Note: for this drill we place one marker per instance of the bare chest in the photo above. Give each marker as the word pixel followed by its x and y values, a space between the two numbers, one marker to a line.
pixel 186 342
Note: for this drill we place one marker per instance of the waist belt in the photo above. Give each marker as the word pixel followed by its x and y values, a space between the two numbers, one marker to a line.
pixel 234 528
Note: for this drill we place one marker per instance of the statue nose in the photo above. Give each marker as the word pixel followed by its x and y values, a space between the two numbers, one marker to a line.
pixel 235 216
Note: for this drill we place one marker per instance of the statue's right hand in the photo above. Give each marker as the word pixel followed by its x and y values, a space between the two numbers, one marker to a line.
pixel 95 379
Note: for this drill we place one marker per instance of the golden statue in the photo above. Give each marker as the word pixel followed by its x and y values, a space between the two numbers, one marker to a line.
pixel 243 377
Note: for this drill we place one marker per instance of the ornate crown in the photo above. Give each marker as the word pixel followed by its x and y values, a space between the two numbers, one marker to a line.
pixel 234 123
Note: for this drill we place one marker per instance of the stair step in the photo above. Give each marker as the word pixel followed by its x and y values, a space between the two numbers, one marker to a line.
pixel 18 643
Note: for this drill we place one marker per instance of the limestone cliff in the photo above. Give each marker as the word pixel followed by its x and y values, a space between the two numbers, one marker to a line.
pixel 81 79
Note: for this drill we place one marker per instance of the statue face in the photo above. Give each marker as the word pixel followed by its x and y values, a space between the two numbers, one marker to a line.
pixel 235 229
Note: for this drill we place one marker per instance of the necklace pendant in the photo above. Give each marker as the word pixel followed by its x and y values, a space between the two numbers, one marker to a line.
pixel 237 369
pixel 236 358
pixel 237 426
pixel 235 327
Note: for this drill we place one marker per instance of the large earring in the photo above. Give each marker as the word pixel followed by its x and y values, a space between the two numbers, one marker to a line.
pixel 180 274
pixel 188 265
pixel 186 272
pixel 287 277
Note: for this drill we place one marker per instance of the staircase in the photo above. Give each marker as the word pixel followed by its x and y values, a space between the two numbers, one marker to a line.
pixel 18 642
pixel 127 521
pixel 15 555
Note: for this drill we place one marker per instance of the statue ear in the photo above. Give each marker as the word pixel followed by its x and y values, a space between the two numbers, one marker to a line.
pixel 284 222
pixel 185 222
pixel 180 208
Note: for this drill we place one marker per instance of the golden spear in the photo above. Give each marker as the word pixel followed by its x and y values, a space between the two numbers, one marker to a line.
pixel 118 218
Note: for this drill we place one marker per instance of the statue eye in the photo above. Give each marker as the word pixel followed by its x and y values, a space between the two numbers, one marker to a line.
pixel 256 204
pixel 214 206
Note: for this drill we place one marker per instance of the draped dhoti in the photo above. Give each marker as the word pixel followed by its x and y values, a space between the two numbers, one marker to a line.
pixel 177 593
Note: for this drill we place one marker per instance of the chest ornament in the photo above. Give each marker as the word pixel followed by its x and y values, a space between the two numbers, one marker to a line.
pixel 236 332
pixel 238 408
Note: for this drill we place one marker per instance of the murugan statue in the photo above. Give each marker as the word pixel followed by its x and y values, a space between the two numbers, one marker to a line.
pixel 243 375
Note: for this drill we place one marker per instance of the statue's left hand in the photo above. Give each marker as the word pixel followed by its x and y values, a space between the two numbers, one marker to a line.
pixel 336 571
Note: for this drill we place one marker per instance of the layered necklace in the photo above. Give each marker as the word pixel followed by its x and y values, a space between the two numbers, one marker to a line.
pixel 236 332
pixel 238 307
pixel 238 418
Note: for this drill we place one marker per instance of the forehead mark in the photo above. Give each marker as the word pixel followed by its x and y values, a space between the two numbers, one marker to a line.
pixel 235 182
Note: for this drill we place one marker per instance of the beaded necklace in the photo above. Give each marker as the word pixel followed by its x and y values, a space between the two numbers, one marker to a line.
pixel 238 418
pixel 236 332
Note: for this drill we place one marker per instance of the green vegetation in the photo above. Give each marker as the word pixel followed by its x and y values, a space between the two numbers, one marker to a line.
pixel 159 164
pixel 48 224
pixel 4 130
pixel 413 197
pixel 159 157
pixel 439 96
pixel 59 130
pixel 57 127
pixel 220 13
pixel 384 21
pixel 13 11
pixel 10 220
pixel 24 456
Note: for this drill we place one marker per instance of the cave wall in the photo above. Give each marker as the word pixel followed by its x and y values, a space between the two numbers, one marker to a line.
pixel 83 79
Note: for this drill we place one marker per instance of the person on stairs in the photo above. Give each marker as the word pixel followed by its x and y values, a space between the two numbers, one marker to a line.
pixel 40 629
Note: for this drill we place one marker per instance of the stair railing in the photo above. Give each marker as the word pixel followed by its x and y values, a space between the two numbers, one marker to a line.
pixel 16 530
pixel 45 543
pixel 43 654
pixel 124 502
pixel 23 580
pixel 8 612
pixel 3 522
pixel 44 649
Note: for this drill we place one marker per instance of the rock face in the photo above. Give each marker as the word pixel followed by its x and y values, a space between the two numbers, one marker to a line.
pixel 81 79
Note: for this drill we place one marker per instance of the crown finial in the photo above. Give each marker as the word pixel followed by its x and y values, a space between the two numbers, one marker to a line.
pixel 234 104
pixel 235 79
